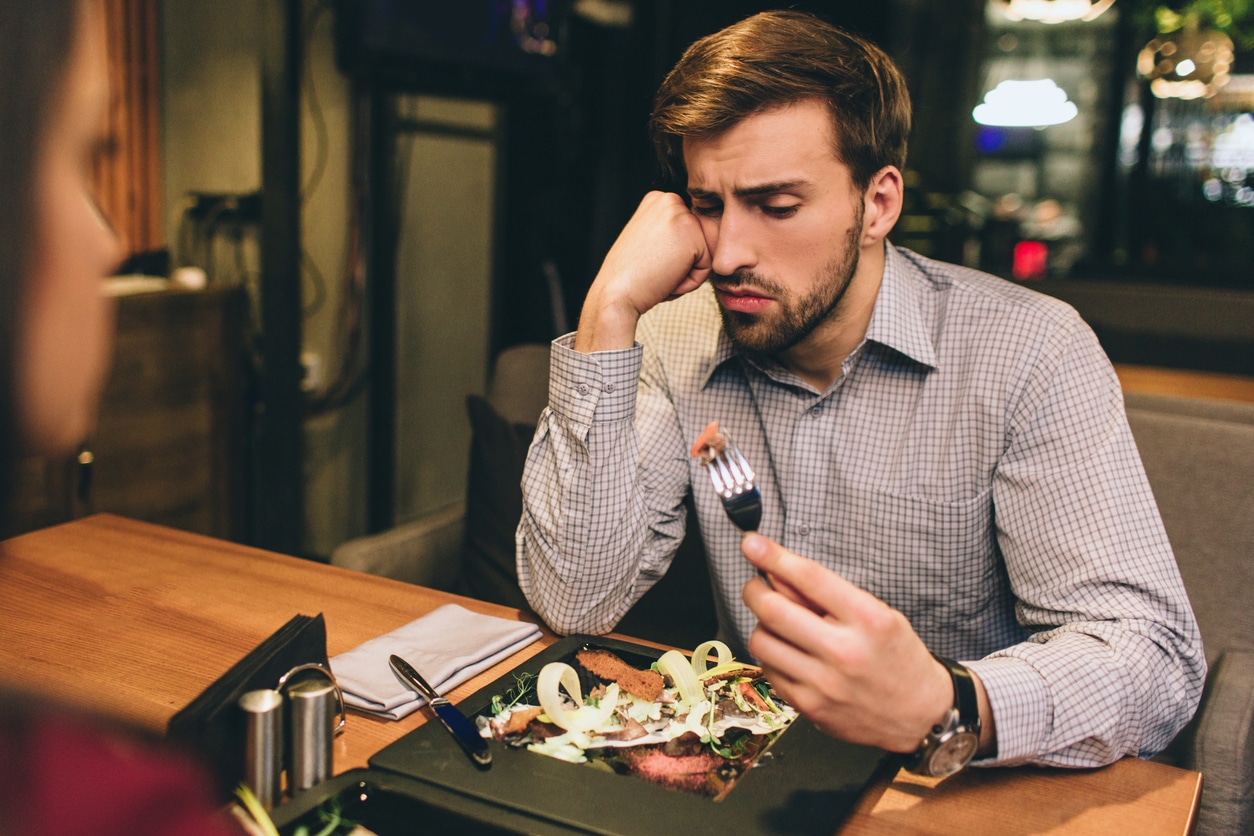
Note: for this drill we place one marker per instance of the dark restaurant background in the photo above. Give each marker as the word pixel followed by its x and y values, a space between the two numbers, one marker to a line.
pixel 384 194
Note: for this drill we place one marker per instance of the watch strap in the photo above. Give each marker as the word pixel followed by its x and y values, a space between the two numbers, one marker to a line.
pixel 965 698
pixel 966 707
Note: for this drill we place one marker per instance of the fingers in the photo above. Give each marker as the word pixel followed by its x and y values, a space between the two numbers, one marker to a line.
pixel 798 666
pixel 661 253
pixel 848 661
pixel 783 657
pixel 784 622
pixel 695 278
pixel 789 592
pixel 825 591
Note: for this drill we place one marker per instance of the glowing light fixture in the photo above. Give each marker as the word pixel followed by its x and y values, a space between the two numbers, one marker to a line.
pixel 1190 63
pixel 1025 104
pixel 1052 11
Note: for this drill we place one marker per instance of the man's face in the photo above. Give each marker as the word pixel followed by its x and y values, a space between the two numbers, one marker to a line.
pixel 782 219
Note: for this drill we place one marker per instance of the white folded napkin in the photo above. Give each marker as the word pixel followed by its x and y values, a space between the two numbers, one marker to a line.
pixel 447 646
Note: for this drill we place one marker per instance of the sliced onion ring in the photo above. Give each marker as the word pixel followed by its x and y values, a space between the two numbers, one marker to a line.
pixel 700 656
pixel 586 717
pixel 675 665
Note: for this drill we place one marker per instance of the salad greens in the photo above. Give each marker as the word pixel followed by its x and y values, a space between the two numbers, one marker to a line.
pixel 699 732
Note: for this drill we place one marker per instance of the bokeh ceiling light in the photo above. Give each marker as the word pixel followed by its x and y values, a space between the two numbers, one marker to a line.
pixel 1025 104
pixel 1052 11
pixel 1190 63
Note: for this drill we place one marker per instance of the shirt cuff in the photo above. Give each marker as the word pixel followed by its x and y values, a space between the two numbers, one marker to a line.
pixel 596 387
pixel 1019 699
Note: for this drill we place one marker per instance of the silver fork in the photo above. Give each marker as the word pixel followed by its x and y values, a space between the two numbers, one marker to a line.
pixel 732 478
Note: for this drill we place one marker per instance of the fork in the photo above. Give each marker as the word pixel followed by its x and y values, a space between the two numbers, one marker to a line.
pixel 732 478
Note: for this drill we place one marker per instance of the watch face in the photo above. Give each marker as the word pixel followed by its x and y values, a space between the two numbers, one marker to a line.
pixel 953 754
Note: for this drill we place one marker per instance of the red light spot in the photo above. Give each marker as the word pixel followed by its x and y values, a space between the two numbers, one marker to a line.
pixel 1030 258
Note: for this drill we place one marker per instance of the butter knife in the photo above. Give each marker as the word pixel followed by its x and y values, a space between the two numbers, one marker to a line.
pixel 458 724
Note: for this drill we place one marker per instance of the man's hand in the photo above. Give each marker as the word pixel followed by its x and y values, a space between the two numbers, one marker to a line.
pixel 840 656
pixel 659 255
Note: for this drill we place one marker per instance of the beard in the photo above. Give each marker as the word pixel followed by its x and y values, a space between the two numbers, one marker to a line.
pixel 795 319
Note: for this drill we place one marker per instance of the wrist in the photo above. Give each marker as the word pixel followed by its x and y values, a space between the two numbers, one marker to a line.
pixel 953 742
pixel 938 697
pixel 606 325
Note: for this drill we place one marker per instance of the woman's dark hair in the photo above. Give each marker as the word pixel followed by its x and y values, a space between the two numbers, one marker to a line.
pixel 36 37
pixel 779 58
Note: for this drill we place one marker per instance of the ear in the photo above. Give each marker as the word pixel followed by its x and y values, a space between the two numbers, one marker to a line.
pixel 882 199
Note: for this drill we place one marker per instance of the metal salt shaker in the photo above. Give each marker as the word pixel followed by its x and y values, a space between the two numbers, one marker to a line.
pixel 263 744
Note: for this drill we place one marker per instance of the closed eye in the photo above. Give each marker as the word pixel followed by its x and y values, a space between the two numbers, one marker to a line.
pixel 780 211
pixel 712 211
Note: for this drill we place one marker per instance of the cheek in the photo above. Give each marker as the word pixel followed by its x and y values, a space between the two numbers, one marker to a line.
pixel 67 324
pixel 807 245
pixel 831 237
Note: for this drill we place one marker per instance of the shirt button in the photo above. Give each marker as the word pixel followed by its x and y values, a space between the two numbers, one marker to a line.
pixel 582 389
pixel 816 411
pixel 803 530
pixel 609 387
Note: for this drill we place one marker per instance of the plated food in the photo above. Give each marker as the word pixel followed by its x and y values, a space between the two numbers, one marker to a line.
pixel 681 723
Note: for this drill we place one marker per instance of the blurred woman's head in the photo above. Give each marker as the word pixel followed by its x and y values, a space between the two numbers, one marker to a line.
pixel 55 324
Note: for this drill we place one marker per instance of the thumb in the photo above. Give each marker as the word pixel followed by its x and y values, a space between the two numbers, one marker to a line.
pixel 757 548
pixel 763 552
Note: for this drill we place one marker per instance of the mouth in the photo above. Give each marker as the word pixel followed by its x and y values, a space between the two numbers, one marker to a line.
pixel 742 300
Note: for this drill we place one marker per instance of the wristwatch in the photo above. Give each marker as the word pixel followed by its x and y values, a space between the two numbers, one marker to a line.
pixel 952 743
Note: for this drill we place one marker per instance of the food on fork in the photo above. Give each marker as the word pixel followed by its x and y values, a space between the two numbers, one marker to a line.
pixel 710 444
pixel 731 476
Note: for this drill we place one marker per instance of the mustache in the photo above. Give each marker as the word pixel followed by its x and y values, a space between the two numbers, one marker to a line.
pixel 747 279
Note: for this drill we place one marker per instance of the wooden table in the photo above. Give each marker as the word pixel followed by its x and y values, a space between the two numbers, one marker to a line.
pixel 134 620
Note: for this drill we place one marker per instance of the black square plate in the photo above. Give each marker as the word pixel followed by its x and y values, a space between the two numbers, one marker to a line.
pixel 808 782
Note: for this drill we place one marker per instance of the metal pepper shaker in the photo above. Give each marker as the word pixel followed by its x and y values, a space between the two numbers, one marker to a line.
pixel 312 713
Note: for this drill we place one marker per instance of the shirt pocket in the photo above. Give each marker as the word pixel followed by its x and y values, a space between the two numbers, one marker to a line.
pixel 935 560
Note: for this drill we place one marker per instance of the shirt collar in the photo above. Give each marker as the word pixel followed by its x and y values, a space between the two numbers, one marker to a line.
pixel 897 320
pixel 724 350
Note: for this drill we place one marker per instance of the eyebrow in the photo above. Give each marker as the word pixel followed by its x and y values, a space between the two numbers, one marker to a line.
pixel 753 191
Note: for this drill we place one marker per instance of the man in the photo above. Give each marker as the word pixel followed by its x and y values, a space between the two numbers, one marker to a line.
pixel 944 459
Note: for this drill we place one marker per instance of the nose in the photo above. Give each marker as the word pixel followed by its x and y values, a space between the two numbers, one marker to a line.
pixel 730 243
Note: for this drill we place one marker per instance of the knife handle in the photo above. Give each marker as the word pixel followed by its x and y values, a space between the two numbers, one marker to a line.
pixel 464 730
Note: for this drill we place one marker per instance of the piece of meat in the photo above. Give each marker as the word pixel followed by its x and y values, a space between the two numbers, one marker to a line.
pixel 690 772
pixel 709 444
pixel 753 672
pixel 518 721
pixel 541 732
pixel 631 730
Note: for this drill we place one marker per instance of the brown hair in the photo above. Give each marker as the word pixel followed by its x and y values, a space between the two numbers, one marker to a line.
pixel 778 58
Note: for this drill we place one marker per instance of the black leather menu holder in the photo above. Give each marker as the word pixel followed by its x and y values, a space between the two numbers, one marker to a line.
pixel 212 725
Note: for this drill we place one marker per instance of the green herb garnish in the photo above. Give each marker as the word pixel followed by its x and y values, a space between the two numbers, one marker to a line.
pixel 522 686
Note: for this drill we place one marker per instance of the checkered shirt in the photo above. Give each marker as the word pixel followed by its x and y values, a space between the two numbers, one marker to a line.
pixel 972 466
